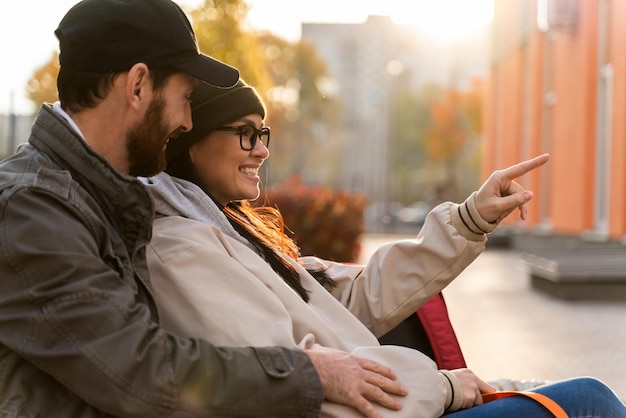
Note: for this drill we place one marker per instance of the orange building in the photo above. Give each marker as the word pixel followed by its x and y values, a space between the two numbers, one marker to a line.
pixel 557 84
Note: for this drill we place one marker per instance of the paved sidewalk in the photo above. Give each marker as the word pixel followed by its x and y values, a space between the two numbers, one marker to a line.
pixel 508 329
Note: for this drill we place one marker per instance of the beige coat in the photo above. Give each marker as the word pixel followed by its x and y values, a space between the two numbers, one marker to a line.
pixel 209 284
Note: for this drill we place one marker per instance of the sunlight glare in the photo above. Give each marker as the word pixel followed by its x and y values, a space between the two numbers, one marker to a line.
pixel 444 20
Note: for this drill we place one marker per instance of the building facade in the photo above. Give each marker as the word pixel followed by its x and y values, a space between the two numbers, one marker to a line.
pixel 368 64
pixel 557 84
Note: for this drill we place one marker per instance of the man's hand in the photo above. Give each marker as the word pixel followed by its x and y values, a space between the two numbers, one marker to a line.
pixel 356 381
pixel 501 195
pixel 473 387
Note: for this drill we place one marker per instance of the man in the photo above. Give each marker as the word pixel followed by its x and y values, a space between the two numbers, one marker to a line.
pixel 79 333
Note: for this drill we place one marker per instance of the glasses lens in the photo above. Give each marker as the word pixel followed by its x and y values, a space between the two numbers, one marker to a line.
pixel 248 136
pixel 264 136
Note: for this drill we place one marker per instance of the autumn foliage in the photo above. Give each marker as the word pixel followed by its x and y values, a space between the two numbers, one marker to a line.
pixel 454 118
pixel 42 87
pixel 324 222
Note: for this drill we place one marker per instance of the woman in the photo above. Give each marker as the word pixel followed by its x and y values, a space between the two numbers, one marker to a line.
pixel 226 271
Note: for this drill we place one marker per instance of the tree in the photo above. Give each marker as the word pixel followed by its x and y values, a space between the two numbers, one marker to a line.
pixel 219 28
pixel 455 126
pixel 304 117
pixel 286 74
pixel 410 122
pixel 42 87
pixel 435 136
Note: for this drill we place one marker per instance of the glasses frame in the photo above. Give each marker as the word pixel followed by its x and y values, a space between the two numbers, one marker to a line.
pixel 253 139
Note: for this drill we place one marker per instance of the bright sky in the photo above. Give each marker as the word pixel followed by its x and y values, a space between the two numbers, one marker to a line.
pixel 27 27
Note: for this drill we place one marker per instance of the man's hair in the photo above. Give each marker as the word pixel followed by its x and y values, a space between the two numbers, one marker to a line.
pixel 79 90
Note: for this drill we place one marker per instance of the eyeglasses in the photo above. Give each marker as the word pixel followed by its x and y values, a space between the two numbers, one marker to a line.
pixel 248 135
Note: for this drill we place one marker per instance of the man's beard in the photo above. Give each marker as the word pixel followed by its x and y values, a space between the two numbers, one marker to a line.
pixel 146 142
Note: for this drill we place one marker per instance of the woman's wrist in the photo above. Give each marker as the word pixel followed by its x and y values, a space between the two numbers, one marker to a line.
pixel 481 223
pixel 468 220
pixel 454 396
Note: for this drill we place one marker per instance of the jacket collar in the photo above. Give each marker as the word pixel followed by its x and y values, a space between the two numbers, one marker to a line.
pixel 122 198
pixel 177 197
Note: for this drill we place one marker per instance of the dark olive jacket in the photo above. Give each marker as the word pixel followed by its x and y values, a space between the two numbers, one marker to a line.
pixel 79 331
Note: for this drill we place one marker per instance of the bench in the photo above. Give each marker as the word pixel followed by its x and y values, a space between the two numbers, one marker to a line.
pixel 579 273
pixel 429 330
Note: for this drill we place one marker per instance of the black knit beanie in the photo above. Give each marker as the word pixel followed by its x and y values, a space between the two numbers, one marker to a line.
pixel 213 107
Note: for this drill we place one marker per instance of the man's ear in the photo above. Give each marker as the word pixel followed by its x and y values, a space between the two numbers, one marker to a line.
pixel 138 86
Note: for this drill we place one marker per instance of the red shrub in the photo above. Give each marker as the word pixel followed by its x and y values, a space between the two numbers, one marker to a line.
pixel 325 223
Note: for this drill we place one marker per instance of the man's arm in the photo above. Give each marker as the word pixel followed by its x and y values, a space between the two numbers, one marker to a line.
pixel 74 314
pixel 69 307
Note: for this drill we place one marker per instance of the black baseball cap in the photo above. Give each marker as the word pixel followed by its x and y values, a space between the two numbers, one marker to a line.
pixel 104 36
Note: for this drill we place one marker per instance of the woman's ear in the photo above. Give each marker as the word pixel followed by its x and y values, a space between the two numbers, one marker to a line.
pixel 138 86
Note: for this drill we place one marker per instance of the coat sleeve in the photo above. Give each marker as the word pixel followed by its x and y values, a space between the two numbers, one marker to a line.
pixel 234 295
pixel 70 308
pixel 402 275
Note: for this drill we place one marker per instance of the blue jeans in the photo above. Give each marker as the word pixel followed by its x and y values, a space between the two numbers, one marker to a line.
pixel 582 397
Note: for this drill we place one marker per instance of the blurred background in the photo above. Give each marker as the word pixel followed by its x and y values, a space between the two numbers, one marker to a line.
pixel 405 105
pixel 387 106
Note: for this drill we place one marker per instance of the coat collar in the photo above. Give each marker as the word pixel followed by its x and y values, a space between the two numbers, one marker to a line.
pixel 123 199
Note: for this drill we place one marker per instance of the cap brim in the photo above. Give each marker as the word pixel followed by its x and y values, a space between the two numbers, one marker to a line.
pixel 210 70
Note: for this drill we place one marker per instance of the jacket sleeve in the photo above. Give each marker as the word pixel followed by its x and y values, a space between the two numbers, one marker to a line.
pixel 233 294
pixel 70 307
pixel 402 275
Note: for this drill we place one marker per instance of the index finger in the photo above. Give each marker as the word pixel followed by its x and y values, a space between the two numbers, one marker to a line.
pixel 524 167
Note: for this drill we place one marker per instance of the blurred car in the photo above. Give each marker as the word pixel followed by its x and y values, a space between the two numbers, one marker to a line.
pixel 414 214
